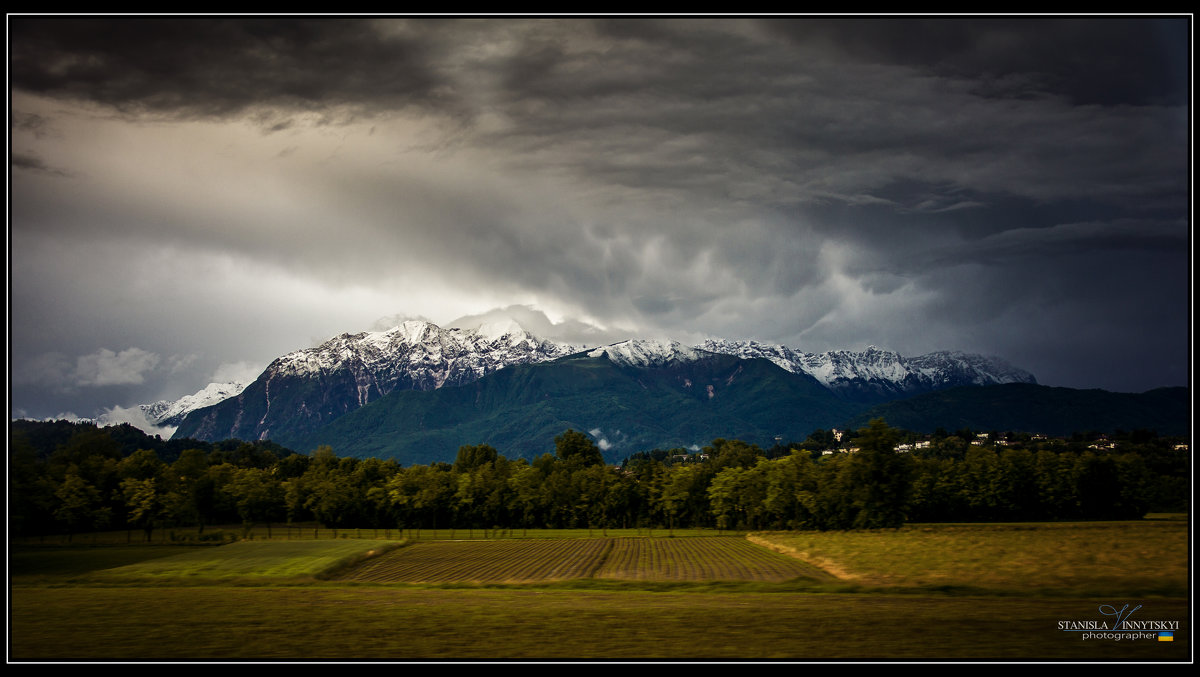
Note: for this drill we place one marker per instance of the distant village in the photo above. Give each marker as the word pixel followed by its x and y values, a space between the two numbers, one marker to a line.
pixel 837 441
pixel 1100 442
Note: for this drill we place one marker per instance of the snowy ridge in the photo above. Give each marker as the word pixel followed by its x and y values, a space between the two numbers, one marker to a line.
pixel 880 370
pixel 167 413
pixel 421 351
pixel 977 369
pixel 645 354
pixel 431 357
pixel 784 357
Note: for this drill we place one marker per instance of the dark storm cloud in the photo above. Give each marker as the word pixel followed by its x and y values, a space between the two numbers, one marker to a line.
pixel 716 126
pixel 719 115
pixel 684 108
pixel 1074 239
pixel 216 68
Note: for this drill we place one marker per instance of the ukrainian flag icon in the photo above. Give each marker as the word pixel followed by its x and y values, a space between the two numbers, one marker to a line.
pixel 1166 637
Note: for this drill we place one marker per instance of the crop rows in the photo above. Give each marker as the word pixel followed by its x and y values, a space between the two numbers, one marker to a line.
pixel 697 559
pixel 515 561
pixel 533 561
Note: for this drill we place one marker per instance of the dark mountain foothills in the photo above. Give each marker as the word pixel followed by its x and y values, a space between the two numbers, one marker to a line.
pixel 1030 408
pixel 683 403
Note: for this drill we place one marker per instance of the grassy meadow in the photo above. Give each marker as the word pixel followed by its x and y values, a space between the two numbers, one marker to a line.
pixel 1089 558
pixel 968 592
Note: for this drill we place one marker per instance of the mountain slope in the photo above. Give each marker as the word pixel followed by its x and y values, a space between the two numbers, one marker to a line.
pixel 519 410
pixel 307 390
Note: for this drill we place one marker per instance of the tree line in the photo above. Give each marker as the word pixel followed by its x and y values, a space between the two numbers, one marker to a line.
pixel 91 482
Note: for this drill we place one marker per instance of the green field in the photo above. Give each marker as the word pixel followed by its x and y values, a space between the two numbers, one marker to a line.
pixel 921 592
pixel 61 564
pixel 253 559
pixel 1090 558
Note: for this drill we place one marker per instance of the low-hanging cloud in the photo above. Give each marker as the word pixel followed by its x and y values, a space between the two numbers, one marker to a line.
pixel 136 418
pixel 106 368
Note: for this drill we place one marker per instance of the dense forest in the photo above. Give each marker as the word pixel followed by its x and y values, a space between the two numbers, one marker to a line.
pixel 70 478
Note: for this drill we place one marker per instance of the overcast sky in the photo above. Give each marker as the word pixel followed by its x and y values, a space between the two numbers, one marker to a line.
pixel 190 199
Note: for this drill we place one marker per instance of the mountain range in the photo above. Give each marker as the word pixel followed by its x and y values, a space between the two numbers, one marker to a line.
pixel 418 391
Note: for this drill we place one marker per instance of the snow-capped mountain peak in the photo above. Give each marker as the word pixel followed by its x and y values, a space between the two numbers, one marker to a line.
pixel 646 353
pixel 424 347
pixel 167 413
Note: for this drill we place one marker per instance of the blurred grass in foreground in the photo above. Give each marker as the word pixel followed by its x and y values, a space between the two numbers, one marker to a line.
pixel 386 623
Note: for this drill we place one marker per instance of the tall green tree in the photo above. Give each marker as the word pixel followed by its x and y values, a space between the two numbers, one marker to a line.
pixel 577 448
pixel 525 495
pixel 681 485
pixel 79 504
pixel 472 456
pixel 879 479
pixel 143 501
pixel 258 495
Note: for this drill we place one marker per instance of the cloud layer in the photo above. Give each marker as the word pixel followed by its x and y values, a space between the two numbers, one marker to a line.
pixel 236 189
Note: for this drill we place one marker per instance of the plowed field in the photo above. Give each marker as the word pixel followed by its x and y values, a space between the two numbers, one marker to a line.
pixel 536 561
pixel 516 561
pixel 699 559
